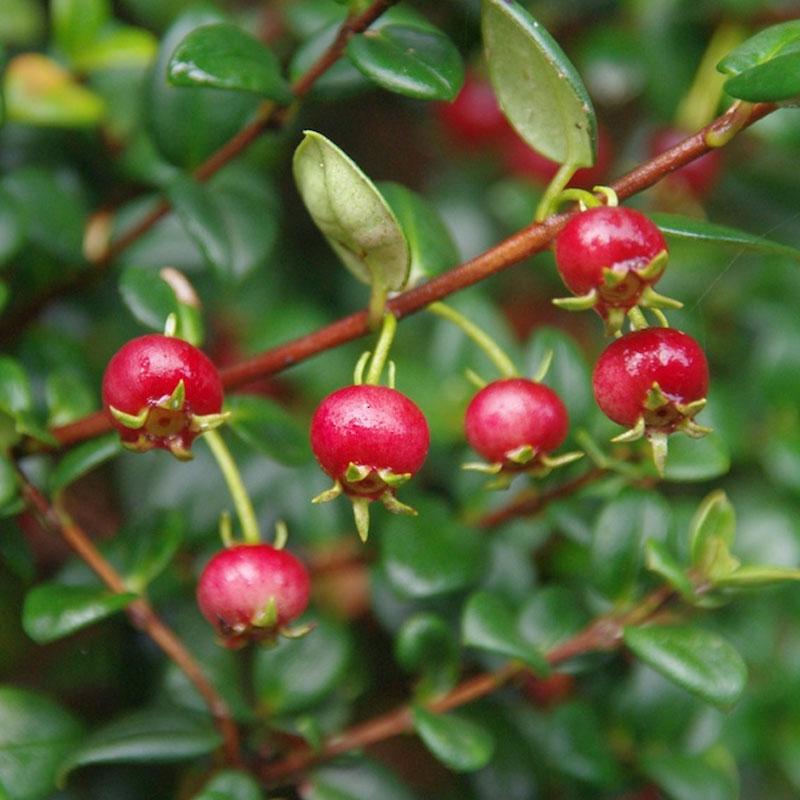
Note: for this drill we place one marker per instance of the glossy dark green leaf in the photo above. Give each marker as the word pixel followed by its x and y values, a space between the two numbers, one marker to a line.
pixel 489 624
pixel 660 560
pixel 690 460
pixel 298 673
pixel 761 48
pixel 425 644
pixel 68 397
pixel 578 746
pixel 83 459
pixel 417 552
pixel 692 229
pixel 223 56
pixel 231 785
pixel 459 743
pixel 529 71
pixel 147 296
pixel 620 532
pixel 35 736
pixel 712 532
pixel 272 430
pixel 202 220
pixel 416 62
pixel 700 661
pixel 709 776
pixel 432 248
pixel 77 23
pixel 54 610
pixel 151 547
pixel 351 213
pixel 187 124
pixel 9 483
pixel 550 616
pixel 12 231
pixel 355 780
pixel 15 388
pixel 146 736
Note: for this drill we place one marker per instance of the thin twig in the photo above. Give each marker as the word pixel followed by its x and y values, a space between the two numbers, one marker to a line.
pixel 140 612
pixel 603 634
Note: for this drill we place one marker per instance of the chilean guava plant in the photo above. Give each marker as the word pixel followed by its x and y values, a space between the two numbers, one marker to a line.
pixel 399 400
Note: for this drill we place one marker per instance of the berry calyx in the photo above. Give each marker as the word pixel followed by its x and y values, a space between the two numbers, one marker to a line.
pixel 369 439
pixel 610 257
pixel 474 118
pixel 251 592
pixel 653 381
pixel 515 423
pixel 160 391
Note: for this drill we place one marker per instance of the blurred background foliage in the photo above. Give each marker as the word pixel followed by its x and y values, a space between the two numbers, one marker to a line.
pixel 609 726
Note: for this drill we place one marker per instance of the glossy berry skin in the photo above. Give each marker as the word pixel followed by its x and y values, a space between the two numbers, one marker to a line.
pixel 474 117
pixel 369 426
pixel 608 237
pixel 699 176
pixel 629 366
pixel 239 585
pixel 513 413
pixel 142 376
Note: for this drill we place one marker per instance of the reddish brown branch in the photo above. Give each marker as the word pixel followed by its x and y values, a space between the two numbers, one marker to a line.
pixel 604 634
pixel 140 612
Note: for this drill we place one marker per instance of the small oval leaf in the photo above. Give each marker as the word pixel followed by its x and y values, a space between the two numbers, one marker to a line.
pixel 537 87
pixel 231 785
pixel 700 661
pixel 83 459
pixel 351 213
pixel 223 56
pixel 461 744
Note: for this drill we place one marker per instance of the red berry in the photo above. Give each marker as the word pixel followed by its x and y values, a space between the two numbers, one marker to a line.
pixel 525 162
pixel 510 415
pixel 143 398
pixel 377 430
pixel 698 176
pixel 629 367
pixel 606 238
pixel 473 118
pixel 250 591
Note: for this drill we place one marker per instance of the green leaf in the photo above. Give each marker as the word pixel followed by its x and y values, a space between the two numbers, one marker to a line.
pixel 15 388
pixel 147 736
pixel 54 610
pixel 152 546
pixel 187 124
pixel 297 674
pixel 77 23
pixel 700 661
pixel 351 213
pixel 68 397
pixel 660 560
pixel 431 245
pixel 756 576
pixel 418 553
pixel 12 230
pixel 9 483
pixel 202 220
pixel 460 744
pixel 488 624
pixel 355 780
pixel 417 62
pixel 149 298
pixel 83 459
pixel 223 56
pixel 693 229
pixel 39 92
pixel 712 532
pixel 35 736
pixel 231 785
pixel 263 424
pixel 118 48
pixel 537 87
pixel 765 66
pixel 621 530
pixel 690 460
pixel 710 776
pixel 425 644
pixel 552 615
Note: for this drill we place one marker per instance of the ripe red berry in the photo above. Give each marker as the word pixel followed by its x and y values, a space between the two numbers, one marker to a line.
pixel 160 391
pixel 251 591
pixel 611 255
pixel 697 177
pixel 515 421
pixel 369 439
pixel 474 117
pixel 630 367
